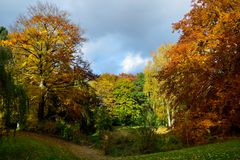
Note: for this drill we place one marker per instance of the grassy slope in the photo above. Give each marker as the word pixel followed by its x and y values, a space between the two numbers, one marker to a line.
pixel 23 148
pixel 229 150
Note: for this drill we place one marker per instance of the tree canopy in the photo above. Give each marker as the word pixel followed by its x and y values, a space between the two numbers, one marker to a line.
pixel 46 46
pixel 192 87
pixel 203 71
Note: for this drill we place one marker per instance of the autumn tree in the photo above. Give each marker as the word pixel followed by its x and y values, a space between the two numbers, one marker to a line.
pixel 104 86
pixel 203 71
pixel 152 85
pixel 46 46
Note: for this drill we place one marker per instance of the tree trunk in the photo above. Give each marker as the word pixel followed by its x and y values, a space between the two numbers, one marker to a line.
pixel 168 115
pixel 41 108
pixel 172 117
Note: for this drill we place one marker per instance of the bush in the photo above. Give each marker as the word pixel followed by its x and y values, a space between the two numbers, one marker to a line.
pixel 196 128
pixel 47 127
pixel 150 119
pixel 103 121
pixel 70 132
pixel 132 141
pixel 118 144
pixel 139 140
pixel 148 140
pixel 171 142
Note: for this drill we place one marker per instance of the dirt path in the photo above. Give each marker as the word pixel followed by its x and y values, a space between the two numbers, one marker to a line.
pixel 78 150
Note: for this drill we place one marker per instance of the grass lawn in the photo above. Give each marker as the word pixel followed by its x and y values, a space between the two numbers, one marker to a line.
pixel 229 150
pixel 25 148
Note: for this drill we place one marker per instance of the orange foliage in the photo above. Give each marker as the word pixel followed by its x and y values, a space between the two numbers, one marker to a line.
pixel 44 45
pixel 203 72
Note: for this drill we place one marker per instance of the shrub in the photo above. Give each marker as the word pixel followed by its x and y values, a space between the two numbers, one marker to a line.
pixel 195 128
pixel 69 132
pixel 147 140
pixel 118 144
pixel 103 121
pixel 171 142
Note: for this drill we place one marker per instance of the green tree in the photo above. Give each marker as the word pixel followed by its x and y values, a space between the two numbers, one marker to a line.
pixel 122 96
pixel 13 100
pixel 126 106
pixel 138 94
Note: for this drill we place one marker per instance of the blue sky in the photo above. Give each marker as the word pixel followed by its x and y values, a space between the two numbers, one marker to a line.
pixel 121 33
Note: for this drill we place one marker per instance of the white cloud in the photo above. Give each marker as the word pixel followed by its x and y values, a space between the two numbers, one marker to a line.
pixel 133 62
pixel 135 25
pixel 110 54
pixel 104 53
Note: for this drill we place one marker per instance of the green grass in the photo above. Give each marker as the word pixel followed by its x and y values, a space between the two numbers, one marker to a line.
pixel 25 148
pixel 229 150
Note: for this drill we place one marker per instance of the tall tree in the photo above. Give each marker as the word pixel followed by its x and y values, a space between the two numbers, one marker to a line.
pixel 152 85
pixel 45 43
pixel 138 93
pixel 203 71
pixel 13 100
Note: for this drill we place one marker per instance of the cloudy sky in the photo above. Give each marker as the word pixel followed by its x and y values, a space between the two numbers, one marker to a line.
pixel 121 33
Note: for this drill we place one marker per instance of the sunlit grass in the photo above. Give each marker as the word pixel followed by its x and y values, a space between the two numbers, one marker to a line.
pixel 229 150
